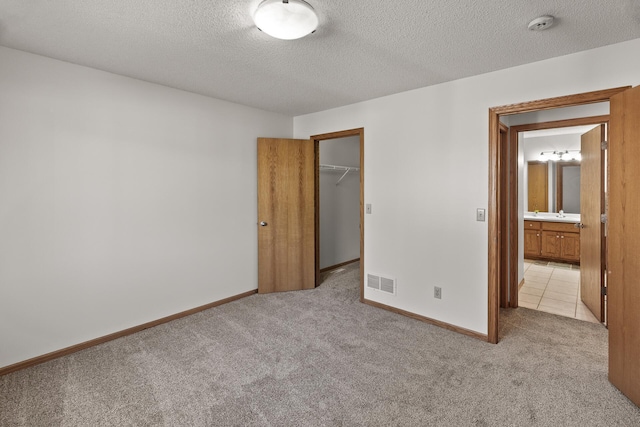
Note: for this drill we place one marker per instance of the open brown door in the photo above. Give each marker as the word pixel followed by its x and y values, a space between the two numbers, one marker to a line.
pixel 624 244
pixel 592 233
pixel 286 215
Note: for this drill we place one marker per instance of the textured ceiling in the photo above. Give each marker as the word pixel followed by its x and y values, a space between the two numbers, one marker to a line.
pixel 363 49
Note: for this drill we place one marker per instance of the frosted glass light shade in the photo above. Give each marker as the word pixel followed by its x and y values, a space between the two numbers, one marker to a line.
pixel 286 20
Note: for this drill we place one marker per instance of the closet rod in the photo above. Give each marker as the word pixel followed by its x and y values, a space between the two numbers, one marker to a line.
pixel 346 170
pixel 338 168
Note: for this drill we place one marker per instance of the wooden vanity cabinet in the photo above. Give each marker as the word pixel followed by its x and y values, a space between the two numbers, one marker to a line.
pixel 570 247
pixel 553 241
pixel 532 232
pixel 550 246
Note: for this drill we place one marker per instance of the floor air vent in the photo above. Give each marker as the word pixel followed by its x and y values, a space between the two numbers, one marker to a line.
pixel 381 283
pixel 387 285
pixel 373 282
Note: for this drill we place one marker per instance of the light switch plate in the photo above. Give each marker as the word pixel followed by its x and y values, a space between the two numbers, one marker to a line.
pixel 480 215
pixel 368 208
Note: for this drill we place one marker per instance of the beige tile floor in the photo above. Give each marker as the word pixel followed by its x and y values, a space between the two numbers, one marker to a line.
pixel 554 288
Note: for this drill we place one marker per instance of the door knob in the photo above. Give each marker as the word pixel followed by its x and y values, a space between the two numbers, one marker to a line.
pixel 579 225
pixel 263 224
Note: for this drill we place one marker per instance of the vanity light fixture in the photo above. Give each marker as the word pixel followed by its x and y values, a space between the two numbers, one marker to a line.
pixel 286 19
pixel 560 155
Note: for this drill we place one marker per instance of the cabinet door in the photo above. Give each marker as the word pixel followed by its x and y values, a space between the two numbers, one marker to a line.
pixel 550 244
pixel 532 243
pixel 570 246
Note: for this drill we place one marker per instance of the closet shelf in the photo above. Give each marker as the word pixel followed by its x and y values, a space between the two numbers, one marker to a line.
pixel 345 169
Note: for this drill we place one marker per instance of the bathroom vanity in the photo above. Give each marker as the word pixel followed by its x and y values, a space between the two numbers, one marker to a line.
pixel 551 237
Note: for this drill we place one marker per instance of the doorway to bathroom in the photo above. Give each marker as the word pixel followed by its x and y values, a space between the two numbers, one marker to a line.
pixel 503 212
pixel 558 264
pixel 623 228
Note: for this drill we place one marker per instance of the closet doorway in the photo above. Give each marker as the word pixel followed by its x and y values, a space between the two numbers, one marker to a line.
pixel 339 201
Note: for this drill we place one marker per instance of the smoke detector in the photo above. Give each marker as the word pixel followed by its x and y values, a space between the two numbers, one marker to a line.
pixel 541 23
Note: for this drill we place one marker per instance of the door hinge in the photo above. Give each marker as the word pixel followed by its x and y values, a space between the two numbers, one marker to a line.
pixel 604 145
pixel 603 218
pixel 603 291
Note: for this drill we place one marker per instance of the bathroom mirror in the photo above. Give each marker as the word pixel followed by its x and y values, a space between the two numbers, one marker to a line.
pixel 553 186
pixel 552 158
pixel 568 187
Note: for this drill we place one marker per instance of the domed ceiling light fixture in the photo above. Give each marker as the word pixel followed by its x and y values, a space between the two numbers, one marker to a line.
pixel 286 19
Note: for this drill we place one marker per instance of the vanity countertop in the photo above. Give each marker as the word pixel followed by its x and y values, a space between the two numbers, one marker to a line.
pixel 552 217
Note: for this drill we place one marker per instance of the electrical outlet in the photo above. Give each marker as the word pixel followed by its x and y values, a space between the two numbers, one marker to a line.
pixel 437 292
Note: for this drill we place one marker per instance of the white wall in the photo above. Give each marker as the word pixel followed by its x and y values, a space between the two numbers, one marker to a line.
pixel 426 169
pixel 339 204
pixel 121 202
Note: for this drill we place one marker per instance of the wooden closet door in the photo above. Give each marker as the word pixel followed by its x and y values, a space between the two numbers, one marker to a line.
pixel 286 215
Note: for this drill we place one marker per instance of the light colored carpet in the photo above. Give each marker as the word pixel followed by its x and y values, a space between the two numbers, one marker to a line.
pixel 321 358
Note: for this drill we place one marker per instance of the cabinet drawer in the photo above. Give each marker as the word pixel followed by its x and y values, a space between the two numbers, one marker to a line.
pixel 532 225
pixel 560 226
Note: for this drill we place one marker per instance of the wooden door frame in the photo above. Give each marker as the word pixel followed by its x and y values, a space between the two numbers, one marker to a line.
pixel 513 189
pixel 504 206
pixel 496 171
pixel 316 141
